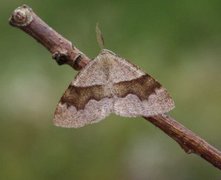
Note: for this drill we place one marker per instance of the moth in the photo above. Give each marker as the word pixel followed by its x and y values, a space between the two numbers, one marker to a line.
pixel 110 84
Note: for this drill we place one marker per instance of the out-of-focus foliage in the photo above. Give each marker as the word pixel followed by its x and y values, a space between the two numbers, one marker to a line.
pixel 178 42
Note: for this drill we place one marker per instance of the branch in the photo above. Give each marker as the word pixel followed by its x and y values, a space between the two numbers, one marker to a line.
pixel 189 141
pixel 65 53
pixel 62 50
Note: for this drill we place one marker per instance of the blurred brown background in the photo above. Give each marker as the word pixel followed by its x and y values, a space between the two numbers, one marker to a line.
pixel 177 42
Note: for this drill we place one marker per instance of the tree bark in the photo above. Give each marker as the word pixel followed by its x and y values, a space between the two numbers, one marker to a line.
pixel 65 53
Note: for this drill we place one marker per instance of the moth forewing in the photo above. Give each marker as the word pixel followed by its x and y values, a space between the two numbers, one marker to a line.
pixel 110 84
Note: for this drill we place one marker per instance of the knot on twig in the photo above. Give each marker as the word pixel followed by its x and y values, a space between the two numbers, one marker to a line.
pixel 60 58
pixel 21 16
pixel 63 58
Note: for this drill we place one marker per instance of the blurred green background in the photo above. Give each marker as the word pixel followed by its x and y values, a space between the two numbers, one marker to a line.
pixel 177 42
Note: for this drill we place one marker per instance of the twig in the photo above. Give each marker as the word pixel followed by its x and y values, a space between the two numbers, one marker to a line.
pixel 189 141
pixel 62 50
pixel 65 53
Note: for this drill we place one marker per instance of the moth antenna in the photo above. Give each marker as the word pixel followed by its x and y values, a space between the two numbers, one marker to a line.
pixel 100 39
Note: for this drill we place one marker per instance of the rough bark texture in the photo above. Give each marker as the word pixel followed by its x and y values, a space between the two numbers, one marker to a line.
pixel 65 53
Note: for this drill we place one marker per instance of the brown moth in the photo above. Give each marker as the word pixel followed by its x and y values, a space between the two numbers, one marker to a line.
pixel 110 84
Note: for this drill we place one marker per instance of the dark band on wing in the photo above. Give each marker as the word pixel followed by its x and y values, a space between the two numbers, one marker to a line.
pixel 79 96
pixel 143 87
